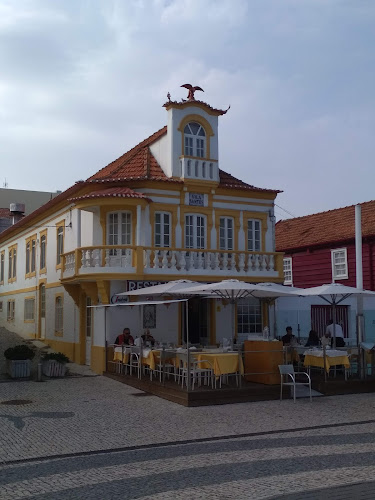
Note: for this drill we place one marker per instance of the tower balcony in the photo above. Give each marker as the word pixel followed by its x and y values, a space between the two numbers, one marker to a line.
pixel 199 169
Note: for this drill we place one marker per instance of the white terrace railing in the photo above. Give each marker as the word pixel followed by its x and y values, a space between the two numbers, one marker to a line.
pixel 151 260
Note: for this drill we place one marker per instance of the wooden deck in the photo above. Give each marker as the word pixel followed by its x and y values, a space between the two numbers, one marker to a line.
pixel 201 396
pixel 230 394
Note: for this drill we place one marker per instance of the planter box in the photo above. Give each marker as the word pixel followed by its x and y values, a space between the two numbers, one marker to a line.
pixel 52 368
pixel 19 368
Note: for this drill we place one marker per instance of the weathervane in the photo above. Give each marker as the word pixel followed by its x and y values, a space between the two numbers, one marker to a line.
pixel 191 90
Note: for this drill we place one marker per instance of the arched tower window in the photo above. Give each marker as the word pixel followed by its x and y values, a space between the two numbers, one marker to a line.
pixel 195 140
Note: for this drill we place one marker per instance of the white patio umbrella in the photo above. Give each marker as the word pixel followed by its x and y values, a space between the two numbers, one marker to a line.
pixel 179 288
pixel 334 294
pixel 234 290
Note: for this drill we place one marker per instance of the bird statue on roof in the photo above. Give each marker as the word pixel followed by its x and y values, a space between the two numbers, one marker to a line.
pixel 191 90
pixel 169 97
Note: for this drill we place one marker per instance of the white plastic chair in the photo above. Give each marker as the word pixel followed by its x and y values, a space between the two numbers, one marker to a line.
pixel 193 371
pixel 288 371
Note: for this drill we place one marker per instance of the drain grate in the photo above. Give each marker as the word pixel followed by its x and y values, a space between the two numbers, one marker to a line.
pixel 139 394
pixel 17 402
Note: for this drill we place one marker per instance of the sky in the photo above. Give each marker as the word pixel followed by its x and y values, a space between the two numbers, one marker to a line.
pixel 83 81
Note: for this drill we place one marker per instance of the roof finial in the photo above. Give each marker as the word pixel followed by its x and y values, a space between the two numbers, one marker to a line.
pixel 191 90
pixel 169 97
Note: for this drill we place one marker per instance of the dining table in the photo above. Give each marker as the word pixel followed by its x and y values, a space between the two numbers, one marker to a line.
pixel 333 357
pixel 222 363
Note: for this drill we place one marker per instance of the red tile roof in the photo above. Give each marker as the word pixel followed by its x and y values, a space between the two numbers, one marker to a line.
pixel 138 163
pixel 184 104
pixel 230 182
pixel 119 192
pixel 324 228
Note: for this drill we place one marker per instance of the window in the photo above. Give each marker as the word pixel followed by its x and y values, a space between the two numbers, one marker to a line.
pixel 253 235
pixel 249 316
pixel 226 233
pixel 42 301
pixel 12 264
pixel 30 256
pixel 195 140
pixel 60 244
pixel 339 264
pixel 1 306
pixel 88 317
pixel 11 307
pixel 43 252
pixel 59 325
pixel 29 309
pixel 119 229
pixel 195 231
pixel 288 275
pixel 2 262
pixel 162 229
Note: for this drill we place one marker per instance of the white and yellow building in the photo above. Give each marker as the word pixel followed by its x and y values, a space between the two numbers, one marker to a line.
pixel 162 211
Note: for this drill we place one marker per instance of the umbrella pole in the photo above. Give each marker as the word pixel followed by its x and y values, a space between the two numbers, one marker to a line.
pixel 187 345
pixel 334 324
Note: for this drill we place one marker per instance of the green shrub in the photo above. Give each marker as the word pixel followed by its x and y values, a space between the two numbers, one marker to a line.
pixel 19 352
pixel 56 356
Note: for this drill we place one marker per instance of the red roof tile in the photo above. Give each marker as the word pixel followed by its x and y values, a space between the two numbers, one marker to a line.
pixel 230 182
pixel 138 163
pixel 324 228
pixel 184 104
pixel 119 192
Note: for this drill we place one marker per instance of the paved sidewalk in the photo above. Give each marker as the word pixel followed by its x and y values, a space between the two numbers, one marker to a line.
pixel 93 413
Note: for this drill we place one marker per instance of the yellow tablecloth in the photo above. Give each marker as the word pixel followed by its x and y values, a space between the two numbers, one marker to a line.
pixel 330 361
pixel 119 356
pixel 291 355
pixel 222 363
pixel 153 358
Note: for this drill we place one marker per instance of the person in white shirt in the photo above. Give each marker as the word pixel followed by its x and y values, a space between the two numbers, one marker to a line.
pixel 339 334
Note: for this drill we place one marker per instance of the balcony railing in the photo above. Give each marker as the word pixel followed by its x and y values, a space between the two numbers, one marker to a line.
pixel 164 261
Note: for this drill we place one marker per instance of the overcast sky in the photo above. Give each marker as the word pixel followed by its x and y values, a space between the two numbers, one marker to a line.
pixel 83 81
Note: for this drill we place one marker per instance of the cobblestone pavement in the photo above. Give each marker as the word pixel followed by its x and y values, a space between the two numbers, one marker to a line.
pixel 93 437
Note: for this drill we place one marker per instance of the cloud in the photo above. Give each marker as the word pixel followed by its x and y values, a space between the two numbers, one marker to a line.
pixel 82 82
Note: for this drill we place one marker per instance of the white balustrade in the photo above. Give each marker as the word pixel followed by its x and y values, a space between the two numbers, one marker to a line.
pixel 167 261
pixel 212 262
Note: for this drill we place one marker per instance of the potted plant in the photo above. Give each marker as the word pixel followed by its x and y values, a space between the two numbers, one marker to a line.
pixel 19 360
pixel 54 364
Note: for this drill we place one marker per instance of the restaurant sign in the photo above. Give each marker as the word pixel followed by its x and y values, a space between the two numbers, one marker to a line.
pixel 137 285
pixel 196 199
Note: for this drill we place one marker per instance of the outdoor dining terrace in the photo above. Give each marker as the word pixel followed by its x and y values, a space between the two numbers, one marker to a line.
pixel 173 262
pixel 250 372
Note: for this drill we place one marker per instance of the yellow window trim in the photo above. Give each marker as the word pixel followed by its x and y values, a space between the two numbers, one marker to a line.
pixel 43 270
pixel 56 332
pixel 11 250
pixel 207 128
pixel 256 216
pixel 2 256
pixel 58 226
pixel 106 210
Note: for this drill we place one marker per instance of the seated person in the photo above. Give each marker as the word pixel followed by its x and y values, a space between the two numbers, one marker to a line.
pixel 289 338
pixel 326 340
pixel 313 339
pixel 147 337
pixel 338 333
pixel 125 338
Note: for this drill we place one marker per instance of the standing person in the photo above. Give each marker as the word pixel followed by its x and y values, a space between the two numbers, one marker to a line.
pixel 124 338
pixel 339 334
pixel 289 338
